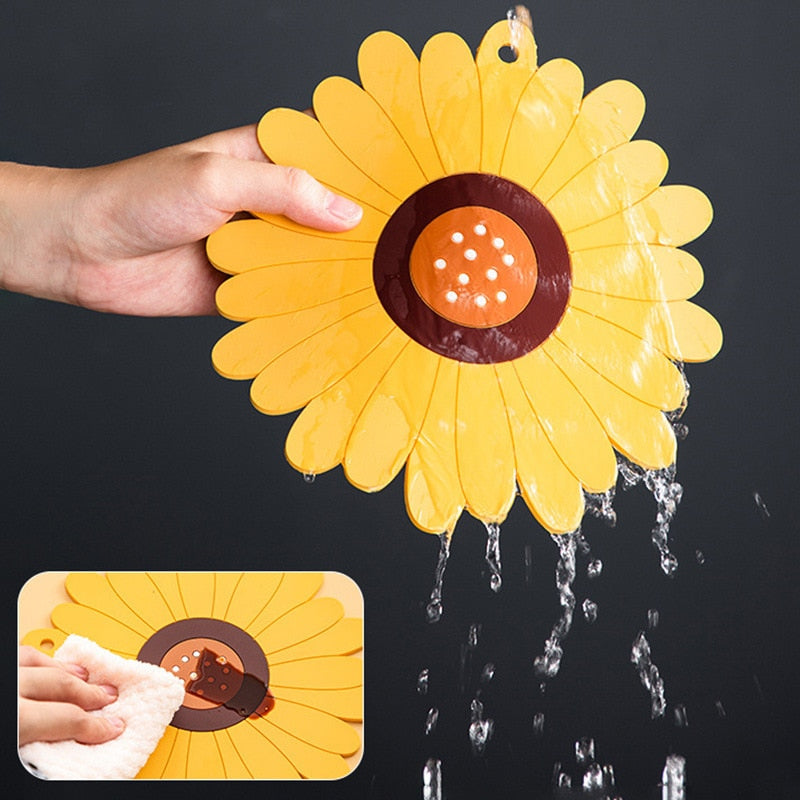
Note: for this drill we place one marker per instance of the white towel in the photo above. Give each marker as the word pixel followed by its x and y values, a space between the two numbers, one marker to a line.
pixel 148 698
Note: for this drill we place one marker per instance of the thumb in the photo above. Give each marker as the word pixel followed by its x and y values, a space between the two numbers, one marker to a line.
pixel 290 191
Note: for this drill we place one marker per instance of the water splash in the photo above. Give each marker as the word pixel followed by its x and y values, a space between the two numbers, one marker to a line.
pixel 595 779
pixel 434 608
pixel 432 780
pixel 493 556
pixel 601 506
pixel 673 778
pixel 667 494
pixel 649 675
pixel 548 664
pixel 423 680
pixel 480 729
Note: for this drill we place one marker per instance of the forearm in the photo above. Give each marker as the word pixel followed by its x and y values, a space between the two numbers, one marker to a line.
pixel 38 211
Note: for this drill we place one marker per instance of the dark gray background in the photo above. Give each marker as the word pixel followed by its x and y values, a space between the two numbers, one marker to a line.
pixel 122 449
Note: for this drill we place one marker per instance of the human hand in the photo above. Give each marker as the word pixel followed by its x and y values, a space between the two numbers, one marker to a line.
pixel 129 237
pixel 55 701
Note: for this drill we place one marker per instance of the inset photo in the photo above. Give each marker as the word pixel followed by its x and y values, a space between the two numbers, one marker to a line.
pixel 191 675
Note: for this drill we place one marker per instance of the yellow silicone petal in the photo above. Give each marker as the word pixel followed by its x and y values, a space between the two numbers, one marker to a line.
pixel 98 627
pixel 253 595
pixel 157 763
pixel 608 116
pixel 45 640
pixel 681 330
pixel 308 760
pixel 484 452
pixel 295 588
pixel 317 439
pixel 451 96
pixel 166 584
pixel 326 672
pixel 205 759
pixel 234 766
pixel 389 71
pixel 347 704
pixel 671 215
pixel 569 423
pixel 390 421
pixel 139 592
pixel 260 756
pixel 638 431
pixel 501 84
pixel 609 184
pixel 225 584
pixel 362 131
pixel 315 727
pixel 630 363
pixel 295 139
pixel 197 590
pixel 637 271
pixel 246 244
pixel 244 351
pixel 434 497
pixel 546 111
pixel 92 590
pixel 177 763
pixel 289 381
pixel 284 288
pixel 300 624
pixel 343 638
pixel 550 490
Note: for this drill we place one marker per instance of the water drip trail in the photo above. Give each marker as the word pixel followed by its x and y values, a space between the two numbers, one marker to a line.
pixel 673 778
pixel 649 675
pixel 432 780
pixel 493 556
pixel 434 608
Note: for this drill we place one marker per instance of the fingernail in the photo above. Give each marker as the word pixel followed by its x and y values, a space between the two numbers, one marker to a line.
pixel 116 723
pixel 77 670
pixel 110 690
pixel 343 209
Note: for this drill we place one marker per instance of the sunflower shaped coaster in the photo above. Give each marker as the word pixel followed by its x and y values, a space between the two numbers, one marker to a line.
pixel 273 688
pixel 511 310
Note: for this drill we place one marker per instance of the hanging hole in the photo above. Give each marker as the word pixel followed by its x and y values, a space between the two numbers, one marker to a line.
pixel 508 54
pixel 47 644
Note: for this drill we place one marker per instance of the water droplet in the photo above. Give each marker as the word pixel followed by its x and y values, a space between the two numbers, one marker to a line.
pixel 309 477
pixel 592 778
pixel 673 778
pixel 652 618
pixel 590 610
pixel 761 506
pixel 432 780
pixel 608 776
pixel 680 716
pixel 584 750
pixel 669 564
pixel 423 679
pixel 480 729
pixel 538 723
pixel 528 566
pixel 472 636
pixel 431 720
pixel 594 568
pixel 649 675
pixel 487 673
pixel 564 781
pixel 700 557
pixel 720 709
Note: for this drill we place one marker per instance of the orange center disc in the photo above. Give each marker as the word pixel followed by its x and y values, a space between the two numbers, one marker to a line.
pixel 474 266
pixel 181 660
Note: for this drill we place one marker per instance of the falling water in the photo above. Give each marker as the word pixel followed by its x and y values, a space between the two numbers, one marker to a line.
pixel 422 681
pixel 649 675
pixel 493 556
pixel 652 618
pixel 601 506
pixel 548 664
pixel 594 779
pixel 431 720
pixel 594 568
pixel 589 610
pixel 432 780
pixel 761 506
pixel 434 607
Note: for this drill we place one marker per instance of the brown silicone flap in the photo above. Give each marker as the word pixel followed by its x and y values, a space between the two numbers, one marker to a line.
pixel 219 682
pixel 245 694
pixel 471 342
